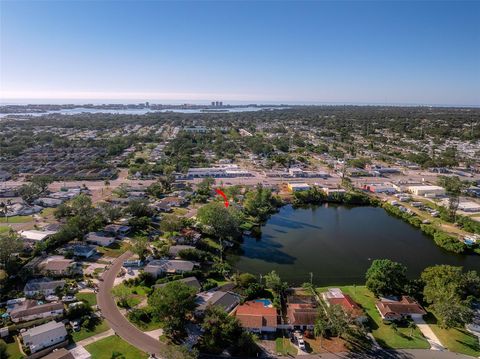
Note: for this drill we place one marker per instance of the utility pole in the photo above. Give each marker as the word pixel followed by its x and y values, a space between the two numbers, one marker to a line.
pixel 311 278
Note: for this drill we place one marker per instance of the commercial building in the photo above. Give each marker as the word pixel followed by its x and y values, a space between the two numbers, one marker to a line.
pixel 294 187
pixel 427 191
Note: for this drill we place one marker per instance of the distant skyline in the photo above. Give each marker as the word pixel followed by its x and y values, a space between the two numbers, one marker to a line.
pixel 425 53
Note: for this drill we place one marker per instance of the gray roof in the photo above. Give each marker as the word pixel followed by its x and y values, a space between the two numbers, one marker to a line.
pixel 37 335
pixel 225 300
pixel 43 284
pixel 170 265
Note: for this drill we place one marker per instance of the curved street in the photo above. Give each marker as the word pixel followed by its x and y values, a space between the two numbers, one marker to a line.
pixel 116 320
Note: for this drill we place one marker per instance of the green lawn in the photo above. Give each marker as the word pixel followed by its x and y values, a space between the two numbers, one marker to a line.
pixel 4 229
pixel 105 348
pixel 16 219
pixel 383 333
pixel 91 298
pixel 85 333
pixel 457 340
pixel 115 250
pixel 284 346
pixel 12 348
pixel 135 294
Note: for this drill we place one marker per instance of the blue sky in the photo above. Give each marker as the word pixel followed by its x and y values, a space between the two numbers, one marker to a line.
pixel 346 52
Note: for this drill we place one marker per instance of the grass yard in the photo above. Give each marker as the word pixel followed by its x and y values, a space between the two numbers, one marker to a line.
pixel 12 348
pixel 284 346
pixel 383 333
pixel 4 229
pixel 115 250
pixel 85 333
pixel 134 294
pixel 16 219
pixel 91 298
pixel 106 348
pixel 180 211
pixel 457 340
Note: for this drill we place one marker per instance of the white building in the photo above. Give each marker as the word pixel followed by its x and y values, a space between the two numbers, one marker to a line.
pixel 36 236
pixel 294 187
pixel 469 206
pixel 44 336
pixel 44 286
pixel 427 191
pixel 99 238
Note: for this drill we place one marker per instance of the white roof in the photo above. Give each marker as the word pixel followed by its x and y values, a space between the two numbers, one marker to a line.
pixel 44 331
pixel 469 205
pixel 35 235
pixel 426 187
pixel 299 185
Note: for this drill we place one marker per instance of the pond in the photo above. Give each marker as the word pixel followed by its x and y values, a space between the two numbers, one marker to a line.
pixel 337 244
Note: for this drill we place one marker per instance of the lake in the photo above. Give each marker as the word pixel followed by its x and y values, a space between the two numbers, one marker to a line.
pixel 140 111
pixel 338 243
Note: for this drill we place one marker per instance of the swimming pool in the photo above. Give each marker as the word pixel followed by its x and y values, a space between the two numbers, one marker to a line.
pixel 266 302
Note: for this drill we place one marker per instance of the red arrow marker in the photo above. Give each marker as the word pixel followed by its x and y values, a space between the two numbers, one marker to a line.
pixel 225 199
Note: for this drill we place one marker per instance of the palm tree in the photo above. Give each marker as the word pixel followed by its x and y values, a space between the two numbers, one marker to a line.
pixel 4 208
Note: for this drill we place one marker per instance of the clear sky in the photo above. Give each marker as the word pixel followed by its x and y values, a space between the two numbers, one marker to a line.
pixel 347 52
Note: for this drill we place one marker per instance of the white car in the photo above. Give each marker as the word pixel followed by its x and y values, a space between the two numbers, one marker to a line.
pixel 69 298
pixel 301 343
pixel 51 298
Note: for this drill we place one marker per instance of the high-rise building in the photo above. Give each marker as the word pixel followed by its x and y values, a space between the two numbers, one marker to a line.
pixel 213 103
pixel 220 103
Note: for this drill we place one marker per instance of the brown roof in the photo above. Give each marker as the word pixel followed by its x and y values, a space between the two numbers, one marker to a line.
pixel 406 306
pixel 30 307
pixel 256 315
pixel 347 304
pixel 56 265
pixel 302 314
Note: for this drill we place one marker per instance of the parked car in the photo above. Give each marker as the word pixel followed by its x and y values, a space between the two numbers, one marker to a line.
pixel 75 324
pixel 51 298
pixel 69 298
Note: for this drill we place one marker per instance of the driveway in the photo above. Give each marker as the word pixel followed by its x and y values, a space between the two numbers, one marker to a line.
pixel 427 332
pixel 116 320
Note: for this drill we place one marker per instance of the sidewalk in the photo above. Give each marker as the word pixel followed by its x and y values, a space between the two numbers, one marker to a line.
pixel 96 337
pixel 427 332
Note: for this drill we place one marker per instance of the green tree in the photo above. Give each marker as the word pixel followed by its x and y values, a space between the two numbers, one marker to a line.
pixel 385 277
pixel 10 243
pixel 140 246
pixel 448 289
pixel 171 304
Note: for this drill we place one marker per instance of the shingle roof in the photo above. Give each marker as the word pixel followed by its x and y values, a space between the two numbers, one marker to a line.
pixel 256 315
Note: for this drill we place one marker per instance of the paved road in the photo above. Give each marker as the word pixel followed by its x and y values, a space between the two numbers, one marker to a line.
pixel 398 354
pixel 116 320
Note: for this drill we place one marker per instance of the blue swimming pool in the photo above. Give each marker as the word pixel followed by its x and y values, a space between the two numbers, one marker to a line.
pixel 266 302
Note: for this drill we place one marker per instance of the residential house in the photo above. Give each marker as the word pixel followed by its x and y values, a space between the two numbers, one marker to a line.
pixel 173 251
pixel 163 266
pixel 225 300
pixel 302 312
pixel 83 250
pixel 257 316
pixel 48 202
pixel 34 235
pixel 189 281
pixel 117 230
pixel 30 310
pixel 57 266
pixel 44 336
pixel 390 309
pixel 45 286
pixel 99 238
pixel 335 296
